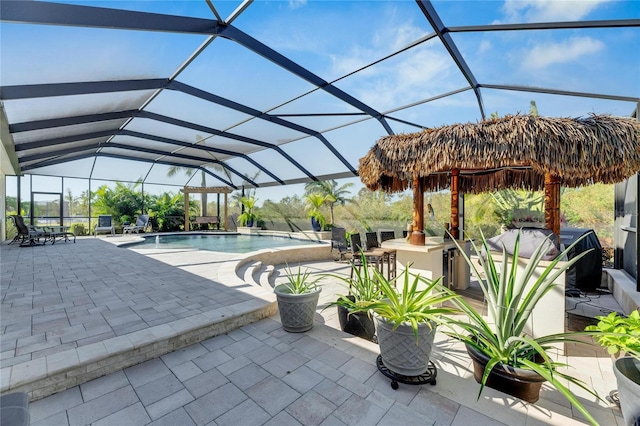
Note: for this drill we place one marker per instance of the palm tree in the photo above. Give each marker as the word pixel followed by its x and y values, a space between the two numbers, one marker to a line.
pixel 315 201
pixel 173 170
pixel 332 192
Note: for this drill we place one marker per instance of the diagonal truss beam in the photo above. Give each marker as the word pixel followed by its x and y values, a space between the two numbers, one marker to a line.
pixel 95 146
pixel 64 139
pixel 37 12
pixel 152 116
pixel 201 128
pixel 184 88
pixel 432 16
pixel 178 155
pixel 567 25
pixel 50 155
pixel 53 162
pixel 27 91
pixel 249 42
pixel 124 157
pixel 71 121
pixel 88 16
pixel 168 163
pixel 202 148
pixel 66 89
pixel 547 91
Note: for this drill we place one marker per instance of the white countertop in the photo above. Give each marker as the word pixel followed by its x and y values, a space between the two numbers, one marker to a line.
pixel 431 244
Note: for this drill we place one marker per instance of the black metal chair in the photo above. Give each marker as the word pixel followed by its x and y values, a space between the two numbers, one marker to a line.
pixel 339 242
pixel 387 235
pixel 26 234
pixel 372 240
pixel 387 256
pixel 370 256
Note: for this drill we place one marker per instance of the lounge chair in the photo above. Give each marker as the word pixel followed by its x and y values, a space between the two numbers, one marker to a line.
pixel 339 242
pixel 105 224
pixel 141 224
pixel 56 233
pixel 27 236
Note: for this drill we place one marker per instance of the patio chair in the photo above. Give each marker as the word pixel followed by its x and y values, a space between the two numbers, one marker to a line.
pixel 372 240
pixel 339 242
pixel 28 236
pixel 371 256
pixel 105 224
pixel 387 235
pixel 141 224
pixel 387 256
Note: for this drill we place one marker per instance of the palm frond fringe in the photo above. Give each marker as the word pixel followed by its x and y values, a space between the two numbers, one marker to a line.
pixel 509 152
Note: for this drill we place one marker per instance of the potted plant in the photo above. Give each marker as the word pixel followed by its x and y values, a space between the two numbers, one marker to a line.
pixel 363 289
pixel 621 334
pixel 298 300
pixel 504 356
pixel 406 320
pixel 314 204
pixel 248 217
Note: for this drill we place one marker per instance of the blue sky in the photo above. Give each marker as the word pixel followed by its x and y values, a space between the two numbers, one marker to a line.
pixel 332 39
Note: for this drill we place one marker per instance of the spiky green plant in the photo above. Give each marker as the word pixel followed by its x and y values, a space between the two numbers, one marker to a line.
pixel 511 299
pixel 363 287
pixel 300 282
pixel 411 305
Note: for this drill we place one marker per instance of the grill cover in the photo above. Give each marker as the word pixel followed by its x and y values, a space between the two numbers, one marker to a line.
pixel 586 274
pixel 530 239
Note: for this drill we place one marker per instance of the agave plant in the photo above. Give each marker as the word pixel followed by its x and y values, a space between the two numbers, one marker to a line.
pixel 300 282
pixel 411 305
pixel 362 287
pixel 511 298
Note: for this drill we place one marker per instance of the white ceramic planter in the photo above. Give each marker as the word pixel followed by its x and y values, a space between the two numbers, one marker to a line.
pixel 627 371
pixel 399 350
pixel 297 311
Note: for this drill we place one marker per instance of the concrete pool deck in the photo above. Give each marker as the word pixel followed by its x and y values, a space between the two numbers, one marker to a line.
pixel 93 299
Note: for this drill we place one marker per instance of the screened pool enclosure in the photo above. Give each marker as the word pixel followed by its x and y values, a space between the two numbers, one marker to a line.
pixel 268 94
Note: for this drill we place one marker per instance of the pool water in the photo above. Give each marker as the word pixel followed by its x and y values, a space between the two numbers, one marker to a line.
pixel 225 243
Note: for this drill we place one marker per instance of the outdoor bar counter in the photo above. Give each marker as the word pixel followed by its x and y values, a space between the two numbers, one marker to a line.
pixel 429 260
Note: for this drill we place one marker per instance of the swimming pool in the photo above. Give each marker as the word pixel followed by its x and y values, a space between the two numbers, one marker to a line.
pixel 234 243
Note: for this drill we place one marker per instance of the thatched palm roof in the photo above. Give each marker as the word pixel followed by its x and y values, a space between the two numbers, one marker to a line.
pixel 513 151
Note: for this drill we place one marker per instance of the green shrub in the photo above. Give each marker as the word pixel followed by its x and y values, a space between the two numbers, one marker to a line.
pixel 78 229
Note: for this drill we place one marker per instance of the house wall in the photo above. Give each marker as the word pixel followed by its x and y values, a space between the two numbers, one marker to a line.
pixel 626 226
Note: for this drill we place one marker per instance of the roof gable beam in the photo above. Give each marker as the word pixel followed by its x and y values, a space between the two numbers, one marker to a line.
pixel 432 16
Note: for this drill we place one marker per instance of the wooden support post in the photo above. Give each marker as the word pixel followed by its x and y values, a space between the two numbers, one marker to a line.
pixel 455 197
pixel 552 203
pixel 417 236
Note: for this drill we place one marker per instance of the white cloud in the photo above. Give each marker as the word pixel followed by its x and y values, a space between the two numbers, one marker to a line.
pixel 485 46
pixel 295 4
pixel 549 10
pixel 543 55
pixel 419 76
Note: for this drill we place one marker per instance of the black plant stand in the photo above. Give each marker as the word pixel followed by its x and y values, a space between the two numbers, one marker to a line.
pixel 428 376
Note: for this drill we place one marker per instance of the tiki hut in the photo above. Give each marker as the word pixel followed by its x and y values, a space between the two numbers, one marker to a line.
pixel 518 151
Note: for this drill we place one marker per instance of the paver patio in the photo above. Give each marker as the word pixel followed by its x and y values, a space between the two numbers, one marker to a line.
pixel 62 298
